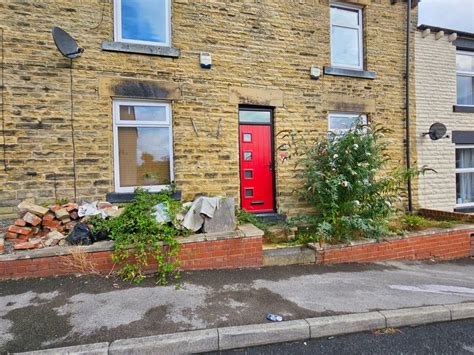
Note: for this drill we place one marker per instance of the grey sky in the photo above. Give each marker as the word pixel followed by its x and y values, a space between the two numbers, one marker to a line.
pixel 451 14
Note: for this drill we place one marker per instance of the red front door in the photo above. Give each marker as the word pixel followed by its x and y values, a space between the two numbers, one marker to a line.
pixel 256 168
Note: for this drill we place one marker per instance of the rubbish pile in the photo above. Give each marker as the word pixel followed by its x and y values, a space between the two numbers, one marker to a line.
pixel 39 227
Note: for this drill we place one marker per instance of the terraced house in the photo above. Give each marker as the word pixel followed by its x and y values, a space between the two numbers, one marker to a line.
pixel 193 92
pixel 444 74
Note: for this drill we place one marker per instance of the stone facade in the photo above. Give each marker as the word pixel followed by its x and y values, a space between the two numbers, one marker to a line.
pixel 262 52
pixel 435 77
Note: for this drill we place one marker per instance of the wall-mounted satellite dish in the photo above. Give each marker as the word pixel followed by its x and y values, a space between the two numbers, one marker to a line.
pixel 66 44
pixel 437 131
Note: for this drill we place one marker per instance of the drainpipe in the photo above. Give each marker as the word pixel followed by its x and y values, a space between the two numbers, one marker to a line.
pixel 407 100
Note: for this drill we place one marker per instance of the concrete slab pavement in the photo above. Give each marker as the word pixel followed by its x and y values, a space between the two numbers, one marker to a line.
pixel 86 310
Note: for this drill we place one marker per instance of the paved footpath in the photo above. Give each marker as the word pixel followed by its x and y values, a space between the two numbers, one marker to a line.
pixel 64 311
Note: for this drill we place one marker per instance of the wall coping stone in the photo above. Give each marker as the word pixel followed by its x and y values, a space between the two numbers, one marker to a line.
pixel 243 231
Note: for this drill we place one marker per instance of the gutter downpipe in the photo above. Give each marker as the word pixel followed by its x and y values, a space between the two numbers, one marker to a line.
pixel 407 100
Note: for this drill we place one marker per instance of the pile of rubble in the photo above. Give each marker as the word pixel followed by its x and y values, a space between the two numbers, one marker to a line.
pixel 39 227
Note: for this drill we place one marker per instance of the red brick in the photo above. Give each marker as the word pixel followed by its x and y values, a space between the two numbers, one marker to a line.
pixel 53 224
pixel 19 230
pixel 31 219
pixel 20 222
pixel 49 217
pixel 10 235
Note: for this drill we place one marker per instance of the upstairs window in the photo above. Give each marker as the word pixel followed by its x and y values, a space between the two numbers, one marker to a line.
pixel 143 21
pixel 465 78
pixel 346 37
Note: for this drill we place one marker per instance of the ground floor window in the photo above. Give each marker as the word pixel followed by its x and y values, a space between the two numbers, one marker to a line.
pixel 465 175
pixel 143 148
pixel 342 122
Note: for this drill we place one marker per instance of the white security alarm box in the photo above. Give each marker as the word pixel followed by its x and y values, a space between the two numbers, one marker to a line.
pixel 206 60
pixel 315 72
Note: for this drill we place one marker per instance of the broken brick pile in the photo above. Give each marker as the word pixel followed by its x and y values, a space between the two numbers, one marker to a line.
pixel 39 226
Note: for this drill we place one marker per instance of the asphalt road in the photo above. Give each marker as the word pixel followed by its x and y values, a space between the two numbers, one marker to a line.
pixel 63 311
pixel 455 338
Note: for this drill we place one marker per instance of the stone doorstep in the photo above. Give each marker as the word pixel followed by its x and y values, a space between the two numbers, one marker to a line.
pixel 293 255
pixel 227 338
pixel 242 231
pixel 426 233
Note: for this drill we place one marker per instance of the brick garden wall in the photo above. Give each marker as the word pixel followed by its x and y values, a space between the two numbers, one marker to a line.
pixel 216 254
pixel 266 46
pixel 445 245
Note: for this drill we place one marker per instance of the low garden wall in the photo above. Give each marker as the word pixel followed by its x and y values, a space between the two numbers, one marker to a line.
pixel 237 249
pixel 445 244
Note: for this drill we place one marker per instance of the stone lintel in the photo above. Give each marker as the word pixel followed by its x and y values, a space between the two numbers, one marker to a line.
pixel 255 96
pixel 356 2
pixel 141 89
pixel 344 103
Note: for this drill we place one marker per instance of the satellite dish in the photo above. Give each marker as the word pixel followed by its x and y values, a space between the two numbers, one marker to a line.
pixel 437 131
pixel 66 44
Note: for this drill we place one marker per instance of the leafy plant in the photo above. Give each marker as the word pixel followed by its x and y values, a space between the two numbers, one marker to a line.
pixel 139 238
pixel 412 222
pixel 345 179
pixel 243 216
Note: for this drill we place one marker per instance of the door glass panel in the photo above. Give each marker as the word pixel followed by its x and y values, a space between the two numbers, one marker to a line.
pixel 255 116
pixel 247 156
pixel 248 174
pixel 247 137
pixel 248 192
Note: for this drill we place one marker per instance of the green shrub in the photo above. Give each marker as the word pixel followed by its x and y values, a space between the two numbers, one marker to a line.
pixel 139 237
pixel 343 178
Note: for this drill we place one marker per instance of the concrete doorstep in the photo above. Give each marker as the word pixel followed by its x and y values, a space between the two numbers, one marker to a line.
pixel 270 333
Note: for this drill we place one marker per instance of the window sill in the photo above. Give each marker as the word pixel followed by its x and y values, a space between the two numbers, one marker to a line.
pixel 119 197
pixel 363 74
pixel 464 209
pixel 468 109
pixel 160 51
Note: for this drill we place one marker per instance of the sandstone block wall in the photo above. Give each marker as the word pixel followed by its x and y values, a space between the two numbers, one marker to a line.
pixel 265 48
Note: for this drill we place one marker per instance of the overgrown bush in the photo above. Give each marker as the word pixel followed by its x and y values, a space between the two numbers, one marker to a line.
pixel 139 238
pixel 343 177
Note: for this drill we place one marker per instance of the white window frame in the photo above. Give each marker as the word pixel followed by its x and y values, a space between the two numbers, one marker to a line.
pixel 360 31
pixel 117 123
pixel 118 26
pixel 463 170
pixel 463 73
pixel 347 115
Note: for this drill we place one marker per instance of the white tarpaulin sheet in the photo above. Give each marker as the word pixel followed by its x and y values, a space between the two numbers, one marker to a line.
pixel 203 207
